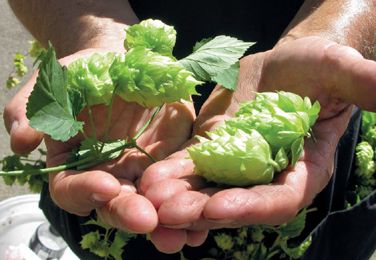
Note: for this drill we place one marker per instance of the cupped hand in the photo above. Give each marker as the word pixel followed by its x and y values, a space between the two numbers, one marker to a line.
pixel 110 188
pixel 335 75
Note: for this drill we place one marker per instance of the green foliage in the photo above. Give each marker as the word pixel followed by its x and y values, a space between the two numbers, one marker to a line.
pixel 149 75
pixel 17 162
pixel 49 109
pixel 19 67
pixel 364 181
pixel 262 241
pixel 12 81
pixel 36 49
pixel 212 58
pixel 265 136
pixel 108 244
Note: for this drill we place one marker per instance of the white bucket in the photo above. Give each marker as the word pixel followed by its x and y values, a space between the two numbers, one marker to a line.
pixel 19 218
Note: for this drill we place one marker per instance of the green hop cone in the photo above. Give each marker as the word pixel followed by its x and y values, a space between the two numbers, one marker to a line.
pixel 90 76
pixel 151 34
pixel 151 79
pixel 239 159
pixel 282 118
pixel 364 160
pixel 274 103
pixel 279 130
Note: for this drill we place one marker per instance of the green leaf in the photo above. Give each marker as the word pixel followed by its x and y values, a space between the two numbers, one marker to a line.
pixel 97 222
pixel 95 244
pixel 296 150
pixel 229 77
pixel 77 101
pixel 120 241
pixel 49 109
pixel 87 149
pixel 200 43
pixel 294 227
pixel 297 251
pixel 213 58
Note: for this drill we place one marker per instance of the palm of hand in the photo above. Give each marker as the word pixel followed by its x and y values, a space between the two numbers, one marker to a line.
pixel 110 187
pixel 335 75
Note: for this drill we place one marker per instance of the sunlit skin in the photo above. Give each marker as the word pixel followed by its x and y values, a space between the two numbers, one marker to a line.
pixel 110 188
pixel 185 207
pixel 329 73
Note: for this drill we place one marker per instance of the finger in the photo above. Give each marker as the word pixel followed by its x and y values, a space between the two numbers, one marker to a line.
pixel 293 189
pixel 167 240
pixel 196 238
pixel 129 211
pixel 174 167
pixel 331 72
pixel 23 138
pixel 164 136
pixel 184 210
pixel 80 193
pixel 354 77
pixel 168 188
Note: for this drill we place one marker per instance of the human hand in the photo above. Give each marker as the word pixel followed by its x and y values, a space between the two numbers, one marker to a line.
pixel 111 187
pixel 335 75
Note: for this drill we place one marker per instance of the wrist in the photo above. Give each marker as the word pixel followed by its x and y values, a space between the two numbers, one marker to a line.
pixel 73 25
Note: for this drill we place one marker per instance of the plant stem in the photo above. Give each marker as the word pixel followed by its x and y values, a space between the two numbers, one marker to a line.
pixel 142 130
pixel 88 161
pixel 109 115
pixel 145 152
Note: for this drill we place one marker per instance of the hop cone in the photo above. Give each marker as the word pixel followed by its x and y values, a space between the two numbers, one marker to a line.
pixel 240 152
pixel 91 78
pixel 364 160
pixel 282 118
pixel 151 79
pixel 239 159
pixel 151 34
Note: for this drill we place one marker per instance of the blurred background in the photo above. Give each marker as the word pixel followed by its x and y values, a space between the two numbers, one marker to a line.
pixel 13 38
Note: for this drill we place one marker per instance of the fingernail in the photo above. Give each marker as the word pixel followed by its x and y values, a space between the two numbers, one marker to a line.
pixel 178 226
pixel 220 221
pixel 14 126
pixel 96 197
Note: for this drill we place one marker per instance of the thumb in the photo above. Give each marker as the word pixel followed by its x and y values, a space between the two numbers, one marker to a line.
pixel 23 138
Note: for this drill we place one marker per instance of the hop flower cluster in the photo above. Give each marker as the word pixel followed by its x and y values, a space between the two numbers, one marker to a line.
pixel 151 34
pixel 147 74
pixel 265 136
pixel 151 79
pixel 90 76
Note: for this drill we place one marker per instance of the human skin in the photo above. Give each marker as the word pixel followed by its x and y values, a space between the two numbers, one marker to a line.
pixel 318 67
pixel 87 27
pixel 320 56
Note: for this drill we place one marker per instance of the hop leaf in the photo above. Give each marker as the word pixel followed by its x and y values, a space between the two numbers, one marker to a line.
pixel 239 159
pixel 151 34
pixel 90 76
pixel 150 79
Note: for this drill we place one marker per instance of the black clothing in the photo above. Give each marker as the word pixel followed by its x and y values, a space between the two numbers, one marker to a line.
pixel 339 234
